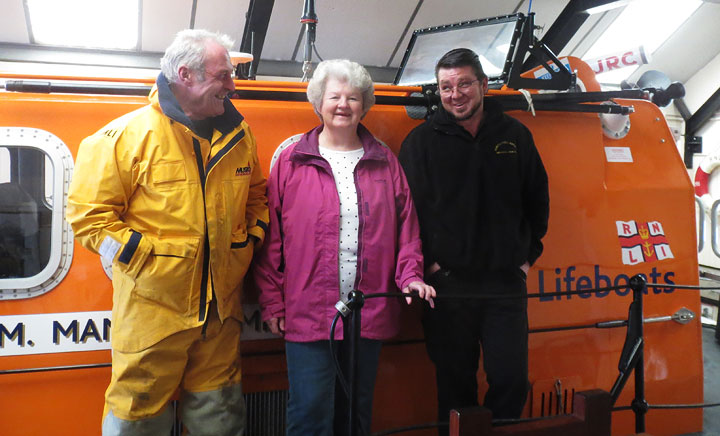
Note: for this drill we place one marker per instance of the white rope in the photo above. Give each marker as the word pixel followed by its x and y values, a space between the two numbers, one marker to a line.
pixel 528 98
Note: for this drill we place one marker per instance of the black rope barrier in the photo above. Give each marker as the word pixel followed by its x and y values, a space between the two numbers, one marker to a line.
pixel 669 406
pixel 497 296
pixel 538 294
pixel 596 325
pixel 631 358
pixel 683 406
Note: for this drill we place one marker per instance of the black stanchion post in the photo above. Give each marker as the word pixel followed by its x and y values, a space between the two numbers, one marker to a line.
pixel 717 322
pixel 639 405
pixel 356 300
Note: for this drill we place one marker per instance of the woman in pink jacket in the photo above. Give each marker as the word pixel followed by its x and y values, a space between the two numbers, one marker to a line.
pixel 341 219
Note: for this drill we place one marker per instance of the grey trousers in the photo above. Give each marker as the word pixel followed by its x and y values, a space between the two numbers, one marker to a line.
pixel 214 413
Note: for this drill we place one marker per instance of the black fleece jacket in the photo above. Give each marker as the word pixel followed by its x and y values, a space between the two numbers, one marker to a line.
pixel 482 202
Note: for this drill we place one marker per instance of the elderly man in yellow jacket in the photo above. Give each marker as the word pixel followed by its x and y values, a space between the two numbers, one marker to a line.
pixel 173 195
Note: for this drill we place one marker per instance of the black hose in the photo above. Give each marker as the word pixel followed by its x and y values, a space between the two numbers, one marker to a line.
pixel 563 102
pixel 333 355
pixel 336 364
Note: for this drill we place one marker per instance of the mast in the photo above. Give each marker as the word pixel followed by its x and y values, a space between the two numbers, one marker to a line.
pixel 309 20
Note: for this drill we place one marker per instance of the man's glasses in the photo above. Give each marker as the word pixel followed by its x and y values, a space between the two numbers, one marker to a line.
pixel 461 87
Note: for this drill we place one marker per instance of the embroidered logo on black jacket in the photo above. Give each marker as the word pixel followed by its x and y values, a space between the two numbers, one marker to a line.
pixel 505 147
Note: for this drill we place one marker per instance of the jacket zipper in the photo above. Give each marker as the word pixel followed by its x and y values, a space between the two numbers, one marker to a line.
pixel 206 272
pixel 206 243
pixel 361 224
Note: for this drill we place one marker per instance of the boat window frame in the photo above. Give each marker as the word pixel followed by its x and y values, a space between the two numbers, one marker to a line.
pixel 61 235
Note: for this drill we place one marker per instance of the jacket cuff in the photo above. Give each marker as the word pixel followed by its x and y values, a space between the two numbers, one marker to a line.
pixel 409 280
pixel 258 232
pixel 273 312
pixel 133 255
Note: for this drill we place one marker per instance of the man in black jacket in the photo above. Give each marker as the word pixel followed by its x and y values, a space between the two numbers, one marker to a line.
pixel 481 193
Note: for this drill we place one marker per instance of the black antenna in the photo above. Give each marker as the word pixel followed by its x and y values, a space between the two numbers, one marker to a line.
pixel 309 19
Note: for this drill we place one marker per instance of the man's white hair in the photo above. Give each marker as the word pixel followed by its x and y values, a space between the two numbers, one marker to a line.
pixel 343 70
pixel 188 49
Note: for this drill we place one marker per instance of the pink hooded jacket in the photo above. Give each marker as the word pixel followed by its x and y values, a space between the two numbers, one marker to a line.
pixel 297 270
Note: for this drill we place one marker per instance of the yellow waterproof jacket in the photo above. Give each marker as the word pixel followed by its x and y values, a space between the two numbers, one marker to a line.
pixel 178 214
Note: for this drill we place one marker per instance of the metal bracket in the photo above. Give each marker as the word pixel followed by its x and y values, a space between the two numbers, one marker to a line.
pixel 682 316
pixel 560 77
pixel 343 308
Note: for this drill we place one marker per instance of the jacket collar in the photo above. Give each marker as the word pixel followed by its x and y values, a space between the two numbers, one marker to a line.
pixel 162 97
pixel 308 147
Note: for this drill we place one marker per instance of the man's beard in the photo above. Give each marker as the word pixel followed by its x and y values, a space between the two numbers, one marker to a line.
pixel 472 112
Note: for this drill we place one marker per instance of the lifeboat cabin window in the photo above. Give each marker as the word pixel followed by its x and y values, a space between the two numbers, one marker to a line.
pixel 35 240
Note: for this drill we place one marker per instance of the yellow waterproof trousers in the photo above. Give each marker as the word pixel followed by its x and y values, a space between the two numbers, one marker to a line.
pixel 205 368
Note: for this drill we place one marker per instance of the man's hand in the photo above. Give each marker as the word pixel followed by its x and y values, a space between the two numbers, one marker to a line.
pixel 277 325
pixel 424 291
pixel 432 269
pixel 525 267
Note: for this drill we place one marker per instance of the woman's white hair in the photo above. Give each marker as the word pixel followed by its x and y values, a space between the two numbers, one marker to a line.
pixel 188 49
pixel 343 70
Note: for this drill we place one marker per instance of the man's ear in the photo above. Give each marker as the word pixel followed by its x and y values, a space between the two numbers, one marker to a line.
pixel 184 74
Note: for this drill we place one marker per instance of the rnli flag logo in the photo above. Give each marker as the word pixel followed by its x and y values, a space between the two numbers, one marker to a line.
pixel 642 242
